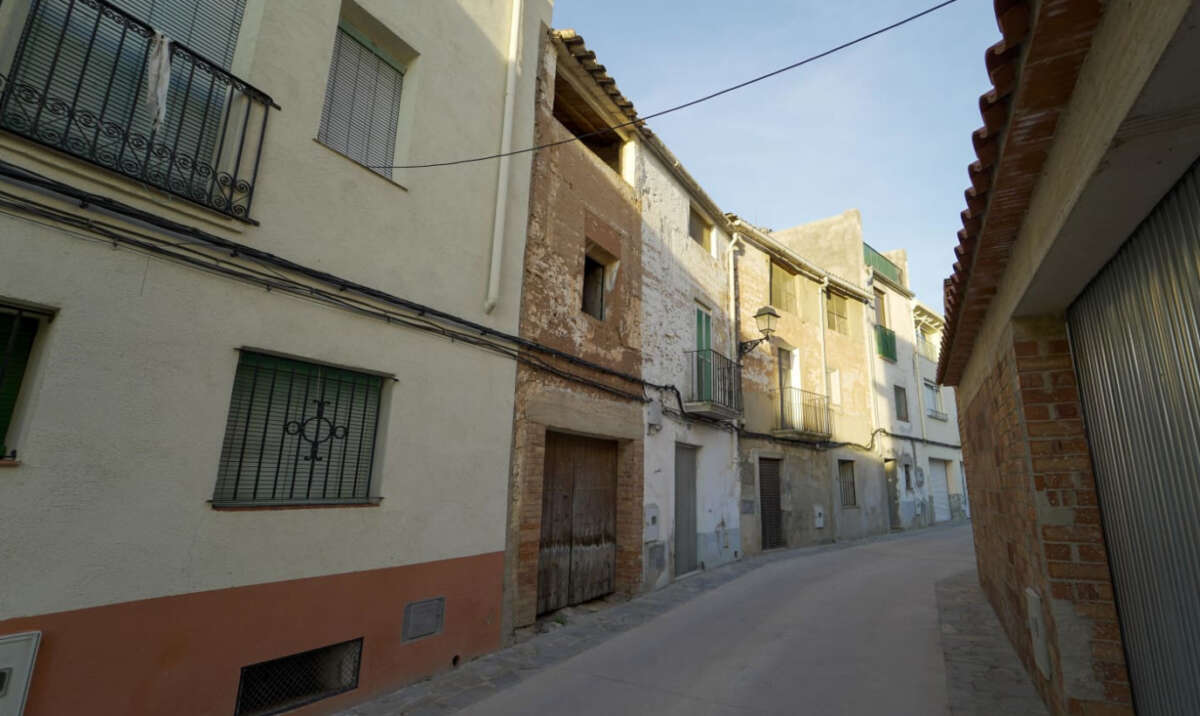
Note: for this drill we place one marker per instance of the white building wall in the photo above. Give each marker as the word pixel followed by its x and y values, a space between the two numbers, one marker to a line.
pixel 678 275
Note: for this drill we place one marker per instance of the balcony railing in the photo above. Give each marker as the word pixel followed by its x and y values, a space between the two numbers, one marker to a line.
pixel 883 265
pixel 803 412
pixel 78 82
pixel 928 350
pixel 885 342
pixel 713 380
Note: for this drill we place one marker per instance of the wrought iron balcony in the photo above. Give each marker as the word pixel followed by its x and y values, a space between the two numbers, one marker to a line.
pixel 77 84
pixel 885 342
pixel 803 413
pixel 883 265
pixel 714 385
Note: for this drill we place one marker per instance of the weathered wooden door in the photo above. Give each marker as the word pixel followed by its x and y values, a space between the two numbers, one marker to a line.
pixel 939 489
pixel 578 551
pixel 685 509
pixel 772 514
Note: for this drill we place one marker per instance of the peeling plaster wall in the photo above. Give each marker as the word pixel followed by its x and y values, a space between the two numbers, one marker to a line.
pixel 678 275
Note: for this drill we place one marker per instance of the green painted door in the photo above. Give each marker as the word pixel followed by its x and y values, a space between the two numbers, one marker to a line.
pixel 704 360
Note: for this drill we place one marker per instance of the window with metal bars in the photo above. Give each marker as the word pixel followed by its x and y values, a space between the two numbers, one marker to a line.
pixel 18 328
pixel 298 433
pixel 846 483
pixel 289 682
pixel 362 103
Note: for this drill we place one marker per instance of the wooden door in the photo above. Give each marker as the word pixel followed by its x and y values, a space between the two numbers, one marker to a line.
pixel 577 556
pixel 685 510
pixel 772 514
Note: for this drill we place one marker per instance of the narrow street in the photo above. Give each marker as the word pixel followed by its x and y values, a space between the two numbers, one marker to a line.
pixel 840 630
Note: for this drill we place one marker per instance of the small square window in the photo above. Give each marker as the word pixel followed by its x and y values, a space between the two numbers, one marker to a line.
pixel 593 287
pixel 699 229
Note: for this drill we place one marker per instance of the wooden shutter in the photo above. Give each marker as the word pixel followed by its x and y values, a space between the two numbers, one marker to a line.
pixel 783 288
pixel 279 411
pixel 14 361
pixel 362 105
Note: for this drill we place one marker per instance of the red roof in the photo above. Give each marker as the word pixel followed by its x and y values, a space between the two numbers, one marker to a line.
pixel 1033 70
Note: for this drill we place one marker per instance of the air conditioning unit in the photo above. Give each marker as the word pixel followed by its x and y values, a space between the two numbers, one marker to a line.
pixel 17 654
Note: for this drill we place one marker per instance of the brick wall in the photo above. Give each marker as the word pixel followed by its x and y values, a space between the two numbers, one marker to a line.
pixel 1036 520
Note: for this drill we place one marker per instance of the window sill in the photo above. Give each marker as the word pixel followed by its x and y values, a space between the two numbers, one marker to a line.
pixel 9 463
pixel 358 164
pixel 258 506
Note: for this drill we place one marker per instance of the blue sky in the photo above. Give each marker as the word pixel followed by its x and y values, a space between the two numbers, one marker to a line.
pixel 883 126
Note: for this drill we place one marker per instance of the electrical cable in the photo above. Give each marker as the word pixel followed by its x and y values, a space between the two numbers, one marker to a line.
pixel 685 105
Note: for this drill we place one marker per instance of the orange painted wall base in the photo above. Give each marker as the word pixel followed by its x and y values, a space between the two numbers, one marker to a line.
pixel 183 654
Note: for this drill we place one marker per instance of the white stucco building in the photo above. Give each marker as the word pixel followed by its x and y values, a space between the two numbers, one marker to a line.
pixel 236 428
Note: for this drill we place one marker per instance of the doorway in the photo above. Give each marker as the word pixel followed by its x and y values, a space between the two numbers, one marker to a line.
pixel 772 513
pixel 685 509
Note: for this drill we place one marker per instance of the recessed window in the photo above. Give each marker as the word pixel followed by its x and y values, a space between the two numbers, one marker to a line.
pixel 880 308
pixel 933 396
pixel 908 484
pixel 835 386
pixel 836 312
pixel 699 229
pixel 289 682
pixel 579 118
pixel 846 483
pixel 298 433
pixel 593 287
pixel 362 102
pixel 18 328
pixel 783 287
pixel 901 404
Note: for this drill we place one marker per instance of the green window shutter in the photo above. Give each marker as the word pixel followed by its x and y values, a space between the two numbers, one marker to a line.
pixel 297 432
pixel 14 363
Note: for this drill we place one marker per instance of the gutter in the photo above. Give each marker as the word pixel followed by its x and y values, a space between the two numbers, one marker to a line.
pixel 502 171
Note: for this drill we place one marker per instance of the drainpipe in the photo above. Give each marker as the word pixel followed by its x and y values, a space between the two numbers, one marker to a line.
pixel 869 327
pixel 510 89
pixel 733 344
pixel 821 308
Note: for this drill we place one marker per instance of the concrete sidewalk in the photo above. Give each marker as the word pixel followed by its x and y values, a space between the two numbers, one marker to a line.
pixel 847 628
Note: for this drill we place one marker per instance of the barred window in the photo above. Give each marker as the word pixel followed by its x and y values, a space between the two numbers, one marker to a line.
pixel 298 433
pixel 835 313
pixel 362 103
pixel 846 483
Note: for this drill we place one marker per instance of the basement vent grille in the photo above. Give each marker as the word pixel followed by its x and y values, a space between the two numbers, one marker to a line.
pixel 282 684
pixel 424 618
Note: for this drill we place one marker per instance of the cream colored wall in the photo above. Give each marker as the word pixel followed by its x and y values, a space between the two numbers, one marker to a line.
pixel 833 243
pixel 121 418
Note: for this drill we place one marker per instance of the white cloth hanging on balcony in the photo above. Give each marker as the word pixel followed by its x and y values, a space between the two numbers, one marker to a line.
pixel 158 78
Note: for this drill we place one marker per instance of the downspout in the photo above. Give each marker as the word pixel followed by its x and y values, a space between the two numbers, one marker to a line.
pixel 502 172
pixel 869 326
pixel 734 319
pixel 821 308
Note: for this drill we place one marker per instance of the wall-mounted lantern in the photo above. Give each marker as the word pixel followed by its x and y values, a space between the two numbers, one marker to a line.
pixel 766 318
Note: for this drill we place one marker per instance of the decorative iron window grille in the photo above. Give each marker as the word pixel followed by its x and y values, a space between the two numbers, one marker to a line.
pixel 77 84
pixel 289 682
pixel 298 433
pixel 18 328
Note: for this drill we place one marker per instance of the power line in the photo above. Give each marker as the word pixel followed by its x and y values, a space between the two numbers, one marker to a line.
pixel 685 105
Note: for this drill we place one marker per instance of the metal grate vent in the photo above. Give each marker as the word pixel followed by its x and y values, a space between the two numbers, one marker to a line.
pixel 279 685
pixel 424 618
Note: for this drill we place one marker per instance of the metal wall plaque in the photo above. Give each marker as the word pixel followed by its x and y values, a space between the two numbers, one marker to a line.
pixel 424 618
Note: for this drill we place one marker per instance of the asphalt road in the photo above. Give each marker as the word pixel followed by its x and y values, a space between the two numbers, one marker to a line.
pixel 847 631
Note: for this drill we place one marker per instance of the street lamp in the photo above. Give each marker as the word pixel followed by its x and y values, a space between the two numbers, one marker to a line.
pixel 766 317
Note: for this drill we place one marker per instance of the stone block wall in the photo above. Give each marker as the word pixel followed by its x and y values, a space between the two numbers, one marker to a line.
pixel 1036 520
